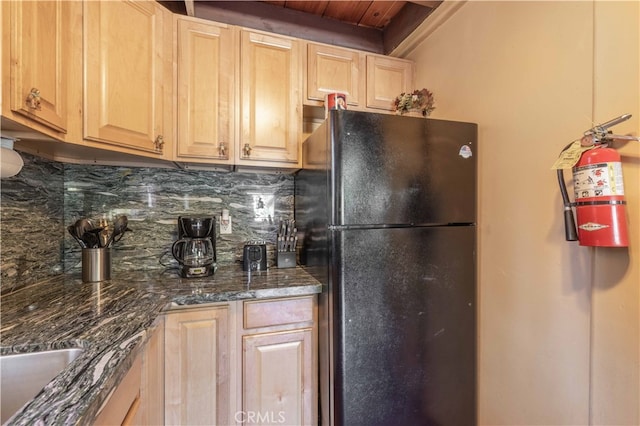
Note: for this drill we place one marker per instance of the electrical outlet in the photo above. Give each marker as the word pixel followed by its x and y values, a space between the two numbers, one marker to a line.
pixel 225 225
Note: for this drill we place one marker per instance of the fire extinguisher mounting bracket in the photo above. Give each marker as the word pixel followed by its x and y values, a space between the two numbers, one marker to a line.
pixel 601 133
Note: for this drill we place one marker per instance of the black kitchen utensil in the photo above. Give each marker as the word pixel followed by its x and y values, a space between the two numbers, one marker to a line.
pixel 92 237
pixel 72 231
pixel 83 226
pixel 120 226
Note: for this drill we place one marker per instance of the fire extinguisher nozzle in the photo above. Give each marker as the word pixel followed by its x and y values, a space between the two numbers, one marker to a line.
pixel 570 232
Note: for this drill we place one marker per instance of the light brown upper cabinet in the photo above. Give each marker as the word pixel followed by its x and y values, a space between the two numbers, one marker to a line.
pixel 270 101
pixel 130 77
pixel 36 49
pixel 206 55
pixel 386 78
pixel 333 69
pixel 127 64
pixel 370 81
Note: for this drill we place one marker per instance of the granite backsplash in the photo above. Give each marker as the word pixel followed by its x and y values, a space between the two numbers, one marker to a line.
pixel 46 196
pixel 32 241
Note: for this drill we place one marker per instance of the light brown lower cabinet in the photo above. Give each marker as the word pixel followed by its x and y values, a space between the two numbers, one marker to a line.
pixel 242 363
pixel 123 405
pixel 152 388
pixel 139 398
pixel 197 370
pixel 278 378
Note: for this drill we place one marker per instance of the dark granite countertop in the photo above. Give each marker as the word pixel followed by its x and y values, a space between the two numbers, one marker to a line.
pixel 110 321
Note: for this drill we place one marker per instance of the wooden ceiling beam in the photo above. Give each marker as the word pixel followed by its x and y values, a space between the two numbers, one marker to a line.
pixel 266 17
pixel 188 4
pixel 429 3
pixel 403 24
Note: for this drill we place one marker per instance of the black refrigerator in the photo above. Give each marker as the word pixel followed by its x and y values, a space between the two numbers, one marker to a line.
pixel 386 206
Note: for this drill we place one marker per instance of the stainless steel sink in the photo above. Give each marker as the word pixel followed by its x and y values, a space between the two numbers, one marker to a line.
pixel 23 375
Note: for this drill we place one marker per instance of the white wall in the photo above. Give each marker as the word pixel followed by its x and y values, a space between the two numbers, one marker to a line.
pixel 558 323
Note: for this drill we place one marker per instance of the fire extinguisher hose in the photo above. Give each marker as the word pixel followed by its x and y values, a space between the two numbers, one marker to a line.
pixel 570 230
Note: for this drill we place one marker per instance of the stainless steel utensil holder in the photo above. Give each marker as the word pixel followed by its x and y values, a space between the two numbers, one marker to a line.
pixel 96 264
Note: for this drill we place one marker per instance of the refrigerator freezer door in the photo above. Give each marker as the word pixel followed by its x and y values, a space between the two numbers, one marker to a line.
pixel 404 336
pixel 390 169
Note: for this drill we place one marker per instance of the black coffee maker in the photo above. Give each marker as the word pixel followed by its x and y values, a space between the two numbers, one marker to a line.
pixel 195 248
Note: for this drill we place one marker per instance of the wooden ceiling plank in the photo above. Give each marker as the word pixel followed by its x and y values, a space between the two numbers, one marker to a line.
pixel 314 7
pixel 347 11
pixel 267 17
pixel 379 14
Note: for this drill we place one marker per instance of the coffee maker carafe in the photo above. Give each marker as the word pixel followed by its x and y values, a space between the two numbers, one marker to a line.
pixel 195 249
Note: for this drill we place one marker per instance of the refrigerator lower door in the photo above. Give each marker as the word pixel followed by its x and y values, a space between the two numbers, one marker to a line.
pixel 404 326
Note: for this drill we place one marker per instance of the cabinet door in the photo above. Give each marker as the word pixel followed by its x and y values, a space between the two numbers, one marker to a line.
pixel 278 378
pixel 271 108
pixel 152 391
pixel 124 74
pixel 205 91
pixel 123 405
pixel 332 69
pixel 386 79
pixel 197 385
pixel 39 61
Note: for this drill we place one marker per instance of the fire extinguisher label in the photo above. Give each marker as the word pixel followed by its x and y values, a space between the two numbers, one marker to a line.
pixel 590 226
pixel 598 180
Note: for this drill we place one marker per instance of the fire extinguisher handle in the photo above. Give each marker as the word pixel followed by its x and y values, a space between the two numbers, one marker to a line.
pixel 570 233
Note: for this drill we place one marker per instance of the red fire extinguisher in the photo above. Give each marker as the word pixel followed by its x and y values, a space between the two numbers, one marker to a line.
pixel 599 192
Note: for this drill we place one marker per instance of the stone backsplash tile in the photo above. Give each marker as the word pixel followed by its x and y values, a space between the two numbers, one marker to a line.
pixel 153 198
pixel 46 196
pixel 32 225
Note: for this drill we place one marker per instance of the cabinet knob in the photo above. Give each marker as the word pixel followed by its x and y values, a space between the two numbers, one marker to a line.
pixel 246 150
pixel 159 143
pixel 222 150
pixel 33 99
